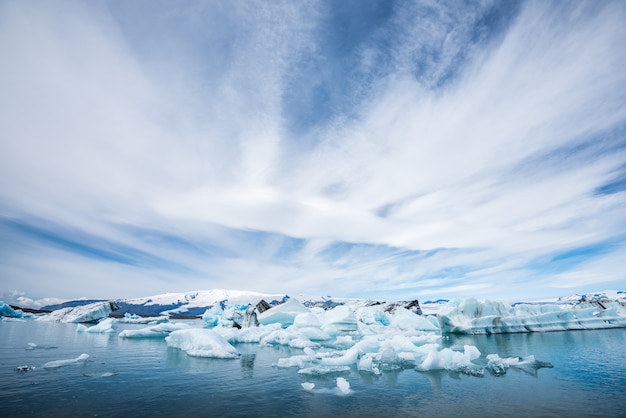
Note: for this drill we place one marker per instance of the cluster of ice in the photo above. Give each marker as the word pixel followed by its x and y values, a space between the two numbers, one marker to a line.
pixel 161 330
pixel 103 327
pixel 365 337
pixel 86 313
pixel 8 311
pixel 371 338
pixel 471 316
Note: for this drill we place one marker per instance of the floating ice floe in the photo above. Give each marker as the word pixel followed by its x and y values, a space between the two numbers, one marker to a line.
pixel 342 388
pixel 87 313
pixel 499 366
pixel 471 316
pixel 103 327
pixel 154 331
pixel 201 342
pixel 60 363
pixel 33 346
pixel 343 385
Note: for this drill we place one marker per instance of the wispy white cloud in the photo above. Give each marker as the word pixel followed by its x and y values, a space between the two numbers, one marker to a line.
pixel 464 145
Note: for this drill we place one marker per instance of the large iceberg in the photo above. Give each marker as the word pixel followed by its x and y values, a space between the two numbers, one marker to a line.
pixel 92 312
pixel 471 316
pixel 201 342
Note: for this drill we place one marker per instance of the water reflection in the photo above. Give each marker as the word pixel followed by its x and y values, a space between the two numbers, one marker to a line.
pixel 247 365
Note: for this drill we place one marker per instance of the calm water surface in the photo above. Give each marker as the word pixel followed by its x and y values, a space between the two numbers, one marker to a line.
pixel 130 377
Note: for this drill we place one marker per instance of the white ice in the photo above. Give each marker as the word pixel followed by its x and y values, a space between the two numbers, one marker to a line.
pixel 60 363
pixel 499 366
pixel 343 385
pixel 103 327
pixel 308 386
pixel 201 342
pixel 154 331
pixel 284 314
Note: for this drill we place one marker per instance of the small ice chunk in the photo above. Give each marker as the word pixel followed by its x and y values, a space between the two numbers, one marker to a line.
pixel 322 370
pixel 293 361
pixel 60 363
pixel 343 385
pixel 308 386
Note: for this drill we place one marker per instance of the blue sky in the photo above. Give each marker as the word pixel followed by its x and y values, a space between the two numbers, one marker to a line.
pixel 381 149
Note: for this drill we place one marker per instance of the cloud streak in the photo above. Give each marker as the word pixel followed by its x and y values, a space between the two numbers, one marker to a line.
pixel 369 151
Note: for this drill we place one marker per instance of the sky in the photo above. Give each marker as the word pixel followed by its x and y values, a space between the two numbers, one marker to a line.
pixel 390 150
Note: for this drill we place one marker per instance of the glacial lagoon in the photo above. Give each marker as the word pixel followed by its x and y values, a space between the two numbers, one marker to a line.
pixel 146 377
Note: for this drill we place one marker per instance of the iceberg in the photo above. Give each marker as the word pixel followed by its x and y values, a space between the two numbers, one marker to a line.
pixel 471 316
pixel 498 366
pixel 103 327
pixel 448 359
pixel 87 313
pixel 284 314
pixel 60 363
pixel 405 319
pixel 201 342
pixel 308 386
pixel 339 319
pixel 154 331
pixel 8 311
pixel 343 385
